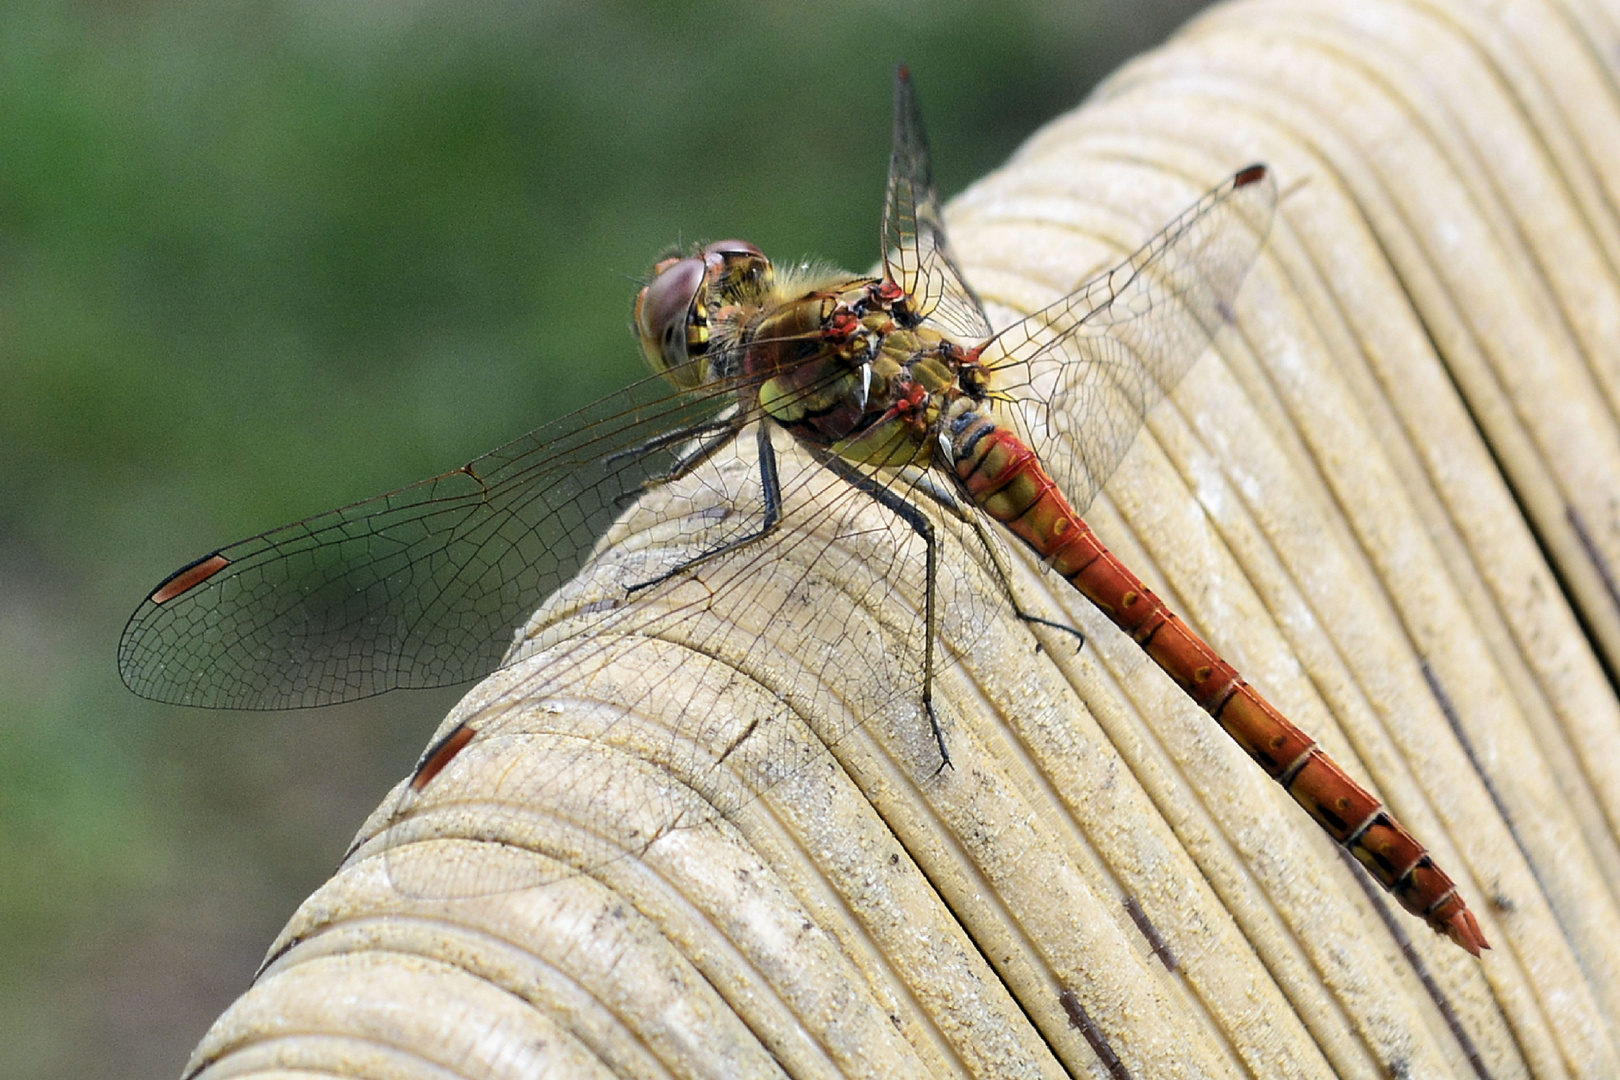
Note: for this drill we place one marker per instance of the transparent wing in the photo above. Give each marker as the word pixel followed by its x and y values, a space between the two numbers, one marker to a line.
pixel 1082 372
pixel 643 692
pixel 916 255
pixel 420 587
pixel 681 704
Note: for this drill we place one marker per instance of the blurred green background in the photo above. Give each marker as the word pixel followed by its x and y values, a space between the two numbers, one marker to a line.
pixel 262 257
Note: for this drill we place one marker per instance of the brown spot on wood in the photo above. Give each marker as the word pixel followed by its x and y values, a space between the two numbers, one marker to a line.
pixel 1082 1022
pixel 1151 932
pixel 753 725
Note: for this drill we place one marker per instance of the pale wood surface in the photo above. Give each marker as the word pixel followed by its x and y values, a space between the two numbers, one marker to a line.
pixel 1365 496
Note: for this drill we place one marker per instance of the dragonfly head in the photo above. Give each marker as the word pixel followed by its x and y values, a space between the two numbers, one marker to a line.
pixel 677 310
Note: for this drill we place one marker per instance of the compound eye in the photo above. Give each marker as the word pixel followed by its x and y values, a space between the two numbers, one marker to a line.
pixel 736 268
pixel 664 309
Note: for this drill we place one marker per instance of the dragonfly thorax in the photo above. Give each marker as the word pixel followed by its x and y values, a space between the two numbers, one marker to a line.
pixel 841 372
pixel 839 360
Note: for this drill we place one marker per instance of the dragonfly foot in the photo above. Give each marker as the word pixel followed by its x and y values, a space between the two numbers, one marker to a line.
pixel 945 761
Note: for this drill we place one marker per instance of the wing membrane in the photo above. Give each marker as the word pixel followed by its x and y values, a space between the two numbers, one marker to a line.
pixel 916 254
pixel 420 587
pixel 645 714
pixel 1084 370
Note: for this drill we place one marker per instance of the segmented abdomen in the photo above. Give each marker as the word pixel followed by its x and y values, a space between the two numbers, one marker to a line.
pixel 1004 477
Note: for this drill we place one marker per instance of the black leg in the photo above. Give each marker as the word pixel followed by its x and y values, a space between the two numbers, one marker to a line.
pixel 1065 628
pixel 772 489
pixel 911 515
pixel 1003 573
pixel 713 437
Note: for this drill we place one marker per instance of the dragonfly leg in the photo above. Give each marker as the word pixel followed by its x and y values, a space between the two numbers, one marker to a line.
pixel 771 486
pixel 1052 624
pixel 908 512
pixel 1003 571
pixel 712 437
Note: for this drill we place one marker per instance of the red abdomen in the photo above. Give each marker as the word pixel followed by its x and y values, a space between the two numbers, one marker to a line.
pixel 1006 480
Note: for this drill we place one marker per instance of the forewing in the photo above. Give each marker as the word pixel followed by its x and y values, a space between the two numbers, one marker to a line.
pixel 916 253
pixel 625 715
pixel 662 677
pixel 1082 372
pixel 420 587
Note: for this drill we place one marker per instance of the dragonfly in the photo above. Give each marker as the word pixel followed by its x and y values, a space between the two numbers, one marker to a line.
pixel 786 406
